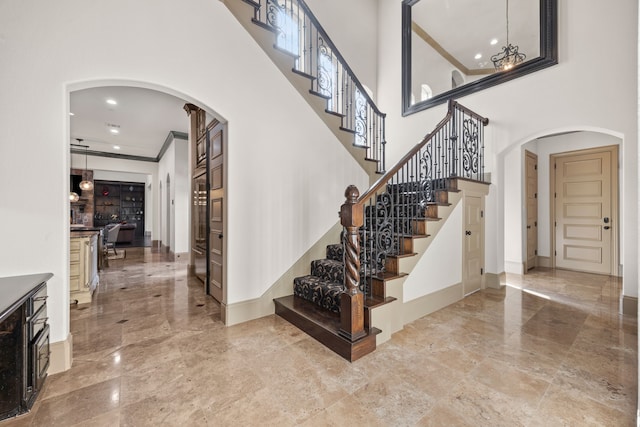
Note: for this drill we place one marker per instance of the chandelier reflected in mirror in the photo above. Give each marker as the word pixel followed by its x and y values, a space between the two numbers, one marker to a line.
pixel 509 56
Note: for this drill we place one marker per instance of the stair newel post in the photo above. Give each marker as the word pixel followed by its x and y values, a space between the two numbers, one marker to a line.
pixel 351 299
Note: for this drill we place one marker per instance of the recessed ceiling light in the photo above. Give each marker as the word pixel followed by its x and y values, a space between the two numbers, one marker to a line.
pixel 111 102
pixel 114 131
pixel 478 56
pixel 71 114
pixel 116 147
pixel 494 41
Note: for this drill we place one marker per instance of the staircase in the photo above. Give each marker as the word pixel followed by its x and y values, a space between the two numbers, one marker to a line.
pixel 355 296
pixel 352 300
pixel 320 291
pixel 297 44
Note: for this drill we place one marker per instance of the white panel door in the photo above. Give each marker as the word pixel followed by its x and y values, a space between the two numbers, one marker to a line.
pixel 532 209
pixel 583 212
pixel 473 256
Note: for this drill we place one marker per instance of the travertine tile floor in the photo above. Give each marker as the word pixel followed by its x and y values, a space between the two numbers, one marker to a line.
pixel 151 351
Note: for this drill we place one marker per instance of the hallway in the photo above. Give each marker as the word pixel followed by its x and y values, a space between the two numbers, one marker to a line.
pixel 150 350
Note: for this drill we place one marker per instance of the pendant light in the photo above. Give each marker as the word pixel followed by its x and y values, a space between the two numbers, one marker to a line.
pixel 73 197
pixel 85 184
pixel 509 56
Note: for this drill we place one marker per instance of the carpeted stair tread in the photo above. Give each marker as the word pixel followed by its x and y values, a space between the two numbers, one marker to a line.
pixel 323 293
pixel 335 252
pixel 328 270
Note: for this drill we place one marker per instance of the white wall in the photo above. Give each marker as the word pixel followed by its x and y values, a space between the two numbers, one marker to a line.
pixel 166 168
pixel 286 172
pixel 577 94
pixel 441 264
pixel 182 197
pixel 175 164
pixel 353 26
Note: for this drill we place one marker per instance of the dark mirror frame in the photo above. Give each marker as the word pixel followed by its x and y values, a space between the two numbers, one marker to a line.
pixel 548 57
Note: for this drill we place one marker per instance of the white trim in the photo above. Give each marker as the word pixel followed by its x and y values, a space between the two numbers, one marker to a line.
pixel 514 267
pixel 61 356
pixel 427 304
pixel 544 261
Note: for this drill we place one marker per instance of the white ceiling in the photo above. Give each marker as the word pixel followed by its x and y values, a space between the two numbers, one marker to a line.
pixel 465 28
pixel 145 117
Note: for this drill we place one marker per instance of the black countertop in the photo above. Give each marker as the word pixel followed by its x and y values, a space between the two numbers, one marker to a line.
pixel 85 229
pixel 15 290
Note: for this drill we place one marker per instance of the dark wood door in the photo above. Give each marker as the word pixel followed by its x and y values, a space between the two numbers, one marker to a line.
pixel 215 137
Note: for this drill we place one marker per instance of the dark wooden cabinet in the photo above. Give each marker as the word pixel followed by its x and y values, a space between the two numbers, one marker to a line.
pixel 201 139
pixel 117 202
pixel 24 342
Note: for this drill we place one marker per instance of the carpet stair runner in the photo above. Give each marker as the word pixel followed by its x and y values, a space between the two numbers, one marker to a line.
pixel 409 205
pixel 324 285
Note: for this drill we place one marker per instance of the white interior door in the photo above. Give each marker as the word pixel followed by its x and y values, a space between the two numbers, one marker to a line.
pixel 583 211
pixel 473 256
pixel 532 209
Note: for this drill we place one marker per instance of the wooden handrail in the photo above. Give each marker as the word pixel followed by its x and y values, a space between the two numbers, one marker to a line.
pixel 338 55
pixel 353 211
pixel 317 57
pixel 452 105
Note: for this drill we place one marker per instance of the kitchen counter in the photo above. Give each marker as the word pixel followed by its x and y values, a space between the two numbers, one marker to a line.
pixel 80 232
pixel 76 230
pixel 24 342
pixel 85 259
pixel 14 291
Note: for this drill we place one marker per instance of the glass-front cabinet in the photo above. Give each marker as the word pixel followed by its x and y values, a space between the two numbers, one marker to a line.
pixel 119 202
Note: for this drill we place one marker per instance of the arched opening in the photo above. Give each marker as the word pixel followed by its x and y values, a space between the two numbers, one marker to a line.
pixel 457 79
pixel 513 173
pixel 167 205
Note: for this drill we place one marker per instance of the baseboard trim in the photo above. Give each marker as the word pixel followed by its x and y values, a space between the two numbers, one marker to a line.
pixel 629 305
pixel 61 356
pixel 514 267
pixel 244 311
pixel 181 256
pixel 427 304
pixel 544 261
pixel 492 280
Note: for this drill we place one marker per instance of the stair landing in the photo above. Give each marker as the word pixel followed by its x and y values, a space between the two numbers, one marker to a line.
pixel 324 326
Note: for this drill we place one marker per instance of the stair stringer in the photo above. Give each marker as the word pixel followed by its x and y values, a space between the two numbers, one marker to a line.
pixel 390 318
pixel 243 12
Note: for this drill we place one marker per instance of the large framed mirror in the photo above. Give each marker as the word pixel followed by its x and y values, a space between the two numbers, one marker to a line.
pixel 453 48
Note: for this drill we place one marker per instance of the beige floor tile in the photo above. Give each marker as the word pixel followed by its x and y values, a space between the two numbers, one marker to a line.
pixel 484 406
pixel 518 385
pixel 565 407
pixel 150 350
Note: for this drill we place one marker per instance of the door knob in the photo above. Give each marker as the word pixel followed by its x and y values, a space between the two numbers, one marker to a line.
pixel 528 227
pixel 606 220
pixel 606 227
pixel 219 236
pixel 468 233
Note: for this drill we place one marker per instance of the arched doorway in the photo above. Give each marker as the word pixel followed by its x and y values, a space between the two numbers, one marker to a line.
pixel 513 161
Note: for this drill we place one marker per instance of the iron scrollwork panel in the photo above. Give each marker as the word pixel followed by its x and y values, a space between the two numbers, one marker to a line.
pixel 471 148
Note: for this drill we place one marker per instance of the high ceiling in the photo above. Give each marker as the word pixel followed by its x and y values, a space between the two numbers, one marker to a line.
pixel 465 28
pixel 142 117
